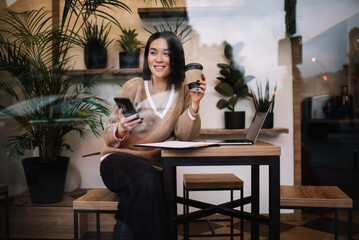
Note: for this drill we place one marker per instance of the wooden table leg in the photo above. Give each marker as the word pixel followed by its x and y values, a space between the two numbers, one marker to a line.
pixel 170 189
pixel 80 224
pixel 255 201
pixel 274 199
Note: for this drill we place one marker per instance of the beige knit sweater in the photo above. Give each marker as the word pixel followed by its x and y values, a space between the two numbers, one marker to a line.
pixel 166 116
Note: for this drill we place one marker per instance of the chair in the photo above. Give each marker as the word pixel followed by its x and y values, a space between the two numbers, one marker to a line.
pixel 211 182
pixel 312 197
pixel 98 200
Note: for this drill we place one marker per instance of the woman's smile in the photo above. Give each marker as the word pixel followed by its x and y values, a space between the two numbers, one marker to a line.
pixel 159 59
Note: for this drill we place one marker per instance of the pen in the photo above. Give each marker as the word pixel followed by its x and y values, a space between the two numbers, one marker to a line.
pixel 200 145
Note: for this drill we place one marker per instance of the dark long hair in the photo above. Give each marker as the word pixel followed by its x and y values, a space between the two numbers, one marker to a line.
pixel 176 53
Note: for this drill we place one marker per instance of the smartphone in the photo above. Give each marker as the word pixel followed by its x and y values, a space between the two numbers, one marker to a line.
pixel 125 103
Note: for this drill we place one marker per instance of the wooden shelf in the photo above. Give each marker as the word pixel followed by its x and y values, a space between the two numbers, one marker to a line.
pixel 222 131
pixel 176 12
pixel 119 71
pixel 183 12
pixel 121 74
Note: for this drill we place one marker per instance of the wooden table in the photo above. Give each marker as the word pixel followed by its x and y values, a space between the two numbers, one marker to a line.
pixel 255 155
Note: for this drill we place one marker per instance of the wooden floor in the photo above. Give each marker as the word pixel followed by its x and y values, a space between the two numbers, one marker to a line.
pixel 315 225
pixel 55 221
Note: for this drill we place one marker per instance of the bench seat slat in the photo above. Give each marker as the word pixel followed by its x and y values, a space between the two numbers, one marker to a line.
pixel 314 196
pixel 97 199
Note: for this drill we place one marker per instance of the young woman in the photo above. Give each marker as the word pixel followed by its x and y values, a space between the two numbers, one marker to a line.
pixel 167 110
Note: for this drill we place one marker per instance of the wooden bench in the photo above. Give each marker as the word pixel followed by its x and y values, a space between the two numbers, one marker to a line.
pixel 98 200
pixel 4 193
pixel 309 197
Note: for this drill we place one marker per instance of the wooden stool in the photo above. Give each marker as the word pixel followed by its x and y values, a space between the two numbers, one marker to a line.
pixel 309 197
pixel 98 200
pixel 4 192
pixel 211 182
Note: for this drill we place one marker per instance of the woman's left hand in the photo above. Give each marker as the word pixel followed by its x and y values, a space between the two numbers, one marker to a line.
pixel 197 96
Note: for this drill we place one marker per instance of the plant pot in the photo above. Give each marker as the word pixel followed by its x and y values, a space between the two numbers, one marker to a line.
pixel 45 179
pixel 268 123
pixel 234 120
pixel 95 57
pixel 129 59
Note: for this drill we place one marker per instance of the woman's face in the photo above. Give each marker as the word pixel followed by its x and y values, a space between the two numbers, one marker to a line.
pixel 159 59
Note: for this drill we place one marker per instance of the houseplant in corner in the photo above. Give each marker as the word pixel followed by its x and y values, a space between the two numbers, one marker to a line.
pixel 131 47
pixel 262 101
pixel 95 42
pixel 233 85
pixel 48 104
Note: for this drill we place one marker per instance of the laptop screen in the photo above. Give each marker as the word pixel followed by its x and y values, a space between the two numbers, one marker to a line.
pixel 256 125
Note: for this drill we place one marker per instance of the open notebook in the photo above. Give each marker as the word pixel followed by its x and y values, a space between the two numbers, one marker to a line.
pixel 178 144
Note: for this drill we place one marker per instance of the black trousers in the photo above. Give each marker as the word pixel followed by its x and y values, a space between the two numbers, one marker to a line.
pixel 141 213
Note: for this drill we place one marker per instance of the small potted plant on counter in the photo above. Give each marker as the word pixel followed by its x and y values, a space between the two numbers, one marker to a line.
pixel 262 101
pixel 131 47
pixel 233 84
pixel 95 42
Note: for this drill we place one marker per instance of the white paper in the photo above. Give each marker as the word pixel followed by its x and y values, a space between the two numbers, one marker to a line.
pixel 178 144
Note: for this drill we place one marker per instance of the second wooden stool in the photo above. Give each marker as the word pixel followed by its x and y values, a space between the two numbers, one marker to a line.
pixel 211 182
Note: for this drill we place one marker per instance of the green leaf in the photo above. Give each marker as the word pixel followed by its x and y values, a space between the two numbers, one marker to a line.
pixel 237 48
pixel 242 92
pixel 266 92
pixel 222 79
pixel 224 89
pixel 248 78
pixel 233 101
pixel 235 78
pixel 224 73
pixel 240 69
pixel 222 104
pixel 238 84
pixel 228 52
pixel 223 65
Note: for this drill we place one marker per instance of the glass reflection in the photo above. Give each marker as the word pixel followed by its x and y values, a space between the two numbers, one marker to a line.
pixel 330 93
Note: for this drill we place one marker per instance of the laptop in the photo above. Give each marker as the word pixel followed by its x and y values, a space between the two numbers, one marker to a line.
pixel 253 130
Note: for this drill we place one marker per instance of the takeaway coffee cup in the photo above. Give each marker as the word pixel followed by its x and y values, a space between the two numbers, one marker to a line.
pixel 193 73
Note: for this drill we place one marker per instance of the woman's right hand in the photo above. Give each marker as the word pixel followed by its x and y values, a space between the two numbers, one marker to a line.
pixel 126 124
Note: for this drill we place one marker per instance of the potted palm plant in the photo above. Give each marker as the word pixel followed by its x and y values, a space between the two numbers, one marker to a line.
pixel 262 101
pixel 48 103
pixel 182 32
pixel 233 85
pixel 131 47
pixel 95 42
